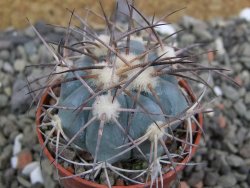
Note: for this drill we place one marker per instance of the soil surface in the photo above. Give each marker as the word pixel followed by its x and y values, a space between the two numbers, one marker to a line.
pixel 14 13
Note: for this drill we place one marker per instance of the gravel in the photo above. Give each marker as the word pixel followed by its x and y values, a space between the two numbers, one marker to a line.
pixel 226 149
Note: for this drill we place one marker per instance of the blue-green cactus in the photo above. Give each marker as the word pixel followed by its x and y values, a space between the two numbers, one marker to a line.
pixel 151 97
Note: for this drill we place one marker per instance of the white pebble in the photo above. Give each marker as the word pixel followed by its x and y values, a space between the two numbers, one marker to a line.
pixel 17 144
pixel 245 14
pixel 14 162
pixel 29 168
pixel 220 46
pixel 165 29
pixel 36 176
pixel 217 90
pixel 210 114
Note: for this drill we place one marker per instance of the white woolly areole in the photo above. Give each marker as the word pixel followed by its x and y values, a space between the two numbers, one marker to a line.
pixel 143 80
pixel 101 50
pixel 105 76
pixel 104 105
pixel 58 75
pixel 119 63
pixel 167 51
pixel 154 130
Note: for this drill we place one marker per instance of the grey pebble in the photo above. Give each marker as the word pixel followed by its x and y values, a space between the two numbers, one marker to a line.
pixel 1 64
pixel 230 134
pixel 240 177
pixel 29 139
pixel 30 48
pixel 242 92
pixel 202 34
pixel 44 54
pixel 14 184
pixel 47 167
pixel 49 181
pixel 39 185
pixel 248 179
pixel 29 31
pixel 9 128
pixel 227 180
pixel 3 100
pixel 245 76
pixel 23 181
pixel 234 160
pixel 4 55
pixel 67 153
pixel 3 140
pixel 245 61
pixel 195 178
pixel 245 150
pixel 5 44
pixel 247 116
pixel 241 136
pixel 189 22
pixel 237 67
pixel 34 59
pixel 20 100
pixel 20 52
pixel 247 98
pixel 103 179
pixel 79 169
pixel 245 49
pixel 240 107
pixel 9 175
pixel 8 68
pixel 187 39
pixel 13 135
pixel 5 156
pixel 230 146
pixel 211 178
pixel 19 65
pixel 244 185
pixel 230 92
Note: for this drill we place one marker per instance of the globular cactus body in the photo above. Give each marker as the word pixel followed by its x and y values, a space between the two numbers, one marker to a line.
pixel 149 106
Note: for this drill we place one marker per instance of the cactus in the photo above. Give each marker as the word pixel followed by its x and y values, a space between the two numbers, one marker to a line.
pixel 119 99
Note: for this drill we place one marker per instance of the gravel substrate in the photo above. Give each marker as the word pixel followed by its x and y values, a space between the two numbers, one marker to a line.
pixel 224 153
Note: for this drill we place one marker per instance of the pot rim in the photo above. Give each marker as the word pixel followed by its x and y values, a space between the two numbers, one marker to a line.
pixel 167 177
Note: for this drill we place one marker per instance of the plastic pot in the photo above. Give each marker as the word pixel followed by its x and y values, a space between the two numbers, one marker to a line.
pixel 78 182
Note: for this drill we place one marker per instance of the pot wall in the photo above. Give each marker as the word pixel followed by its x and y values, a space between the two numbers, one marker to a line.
pixel 82 183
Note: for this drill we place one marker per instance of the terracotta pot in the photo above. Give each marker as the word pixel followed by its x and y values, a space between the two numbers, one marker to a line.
pixel 78 182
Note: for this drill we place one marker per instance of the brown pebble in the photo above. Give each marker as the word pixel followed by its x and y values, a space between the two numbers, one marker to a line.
pixel 222 121
pixel 238 80
pixel 119 182
pixel 183 184
pixel 220 106
pixel 210 56
pixel 199 185
pixel 24 158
